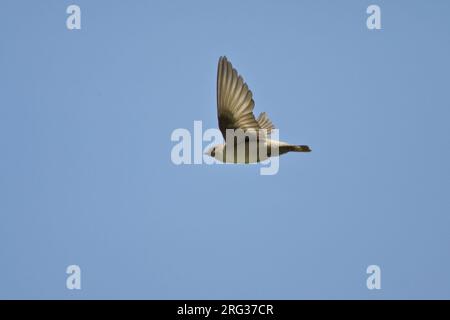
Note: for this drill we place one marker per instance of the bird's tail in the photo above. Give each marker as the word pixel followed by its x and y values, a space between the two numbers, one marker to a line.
pixel 299 148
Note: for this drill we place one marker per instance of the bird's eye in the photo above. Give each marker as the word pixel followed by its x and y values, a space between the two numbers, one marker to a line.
pixel 213 152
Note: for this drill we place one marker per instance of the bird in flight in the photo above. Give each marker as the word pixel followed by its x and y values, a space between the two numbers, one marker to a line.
pixel 235 111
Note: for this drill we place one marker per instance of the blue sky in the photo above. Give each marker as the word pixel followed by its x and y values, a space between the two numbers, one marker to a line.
pixel 86 176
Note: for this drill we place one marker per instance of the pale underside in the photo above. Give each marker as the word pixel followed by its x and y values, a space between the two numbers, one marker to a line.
pixel 250 150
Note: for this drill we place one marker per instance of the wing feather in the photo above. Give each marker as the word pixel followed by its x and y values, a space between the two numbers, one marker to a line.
pixel 235 101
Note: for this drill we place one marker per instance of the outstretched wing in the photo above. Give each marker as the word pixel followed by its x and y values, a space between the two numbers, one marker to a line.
pixel 235 102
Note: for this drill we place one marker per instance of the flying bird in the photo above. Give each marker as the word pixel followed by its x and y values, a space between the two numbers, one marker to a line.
pixel 235 111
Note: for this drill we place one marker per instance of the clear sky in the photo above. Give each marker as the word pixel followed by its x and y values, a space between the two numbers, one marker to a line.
pixel 86 176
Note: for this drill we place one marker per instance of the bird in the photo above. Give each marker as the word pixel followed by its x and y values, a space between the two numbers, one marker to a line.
pixel 235 106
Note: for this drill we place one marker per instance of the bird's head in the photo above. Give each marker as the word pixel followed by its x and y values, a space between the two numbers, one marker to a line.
pixel 211 151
